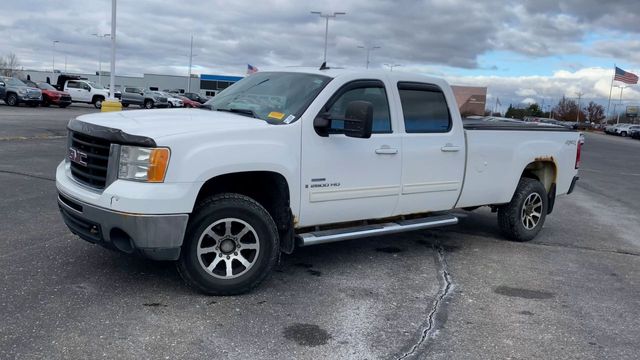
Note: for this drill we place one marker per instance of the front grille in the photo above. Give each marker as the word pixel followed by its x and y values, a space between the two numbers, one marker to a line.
pixel 65 98
pixel 97 159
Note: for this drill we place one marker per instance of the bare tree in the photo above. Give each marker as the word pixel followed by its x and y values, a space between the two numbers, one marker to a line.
pixel 595 112
pixel 9 65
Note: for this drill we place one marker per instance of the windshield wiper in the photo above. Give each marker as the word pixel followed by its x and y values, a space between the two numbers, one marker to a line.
pixel 246 112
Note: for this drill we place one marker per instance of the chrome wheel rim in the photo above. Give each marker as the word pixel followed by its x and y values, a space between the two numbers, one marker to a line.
pixel 531 211
pixel 228 248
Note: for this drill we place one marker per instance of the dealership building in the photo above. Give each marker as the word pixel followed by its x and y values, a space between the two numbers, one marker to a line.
pixel 205 84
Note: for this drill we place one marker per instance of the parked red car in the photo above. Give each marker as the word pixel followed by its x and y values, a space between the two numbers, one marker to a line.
pixel 188 103
pixel 51 95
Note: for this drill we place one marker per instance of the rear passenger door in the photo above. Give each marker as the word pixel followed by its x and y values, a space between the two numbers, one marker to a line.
pixel 433 149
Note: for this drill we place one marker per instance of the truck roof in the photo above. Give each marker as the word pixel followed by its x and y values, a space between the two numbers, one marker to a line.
pixel 362 73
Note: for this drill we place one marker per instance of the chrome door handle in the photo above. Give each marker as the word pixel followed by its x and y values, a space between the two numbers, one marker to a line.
pixel 450 148
pixel 386 151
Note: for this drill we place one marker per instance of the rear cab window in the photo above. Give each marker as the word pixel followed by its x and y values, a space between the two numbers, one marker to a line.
pixel 424 108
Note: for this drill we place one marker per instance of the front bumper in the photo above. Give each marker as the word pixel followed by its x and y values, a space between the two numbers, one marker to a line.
pixel 158 237
pixel 26 99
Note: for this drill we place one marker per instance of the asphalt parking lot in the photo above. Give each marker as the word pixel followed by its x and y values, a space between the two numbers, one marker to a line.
pixel 455 293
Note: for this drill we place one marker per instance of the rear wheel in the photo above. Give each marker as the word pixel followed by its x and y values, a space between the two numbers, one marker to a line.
pixel 523 217
pixel 125 105
pixel 97 102
pixel 148 104
pixel 12 100
pixel 623 134
pixel 230 246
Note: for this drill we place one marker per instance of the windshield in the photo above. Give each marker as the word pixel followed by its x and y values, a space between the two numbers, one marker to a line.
pixel 45 86
pixel 276 97
pixel 94 85
pixel 14 82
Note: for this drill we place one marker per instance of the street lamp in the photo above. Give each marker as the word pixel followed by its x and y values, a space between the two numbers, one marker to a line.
pixel 369 48
pixel 190 63
pixel 99 36
pixel 326 27
pixel 622 87
pixel 53 63
pixel 391 66
pixel 112 75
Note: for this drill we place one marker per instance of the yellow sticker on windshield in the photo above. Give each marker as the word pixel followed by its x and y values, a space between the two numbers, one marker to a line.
pixel 276 115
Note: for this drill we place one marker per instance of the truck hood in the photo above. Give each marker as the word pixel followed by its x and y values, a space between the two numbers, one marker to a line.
pixel 161 123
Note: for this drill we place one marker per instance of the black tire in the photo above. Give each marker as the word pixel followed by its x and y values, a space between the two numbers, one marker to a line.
pixel 97 102
pixel 191 266
pixel 512 222
pixel 12 100
pixel 45 103
pixel 170 105
pixel 623 134
pixel 148 104
pixel 125 105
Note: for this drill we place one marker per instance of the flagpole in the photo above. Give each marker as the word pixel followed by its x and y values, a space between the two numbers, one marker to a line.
pixel 611 88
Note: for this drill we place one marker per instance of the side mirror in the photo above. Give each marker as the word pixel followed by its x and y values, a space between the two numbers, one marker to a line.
pixel 2 84
pixel 358 120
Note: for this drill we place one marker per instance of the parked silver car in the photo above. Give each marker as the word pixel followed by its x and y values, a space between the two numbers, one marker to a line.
pixel 14 92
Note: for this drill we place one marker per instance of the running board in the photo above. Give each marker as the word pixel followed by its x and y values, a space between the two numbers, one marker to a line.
pixel 327 236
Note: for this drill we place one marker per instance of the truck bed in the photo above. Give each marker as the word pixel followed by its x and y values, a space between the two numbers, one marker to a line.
pixel 512 126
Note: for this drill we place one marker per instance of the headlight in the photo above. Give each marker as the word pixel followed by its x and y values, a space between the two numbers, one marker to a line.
pixel 143 164
pixel 22 91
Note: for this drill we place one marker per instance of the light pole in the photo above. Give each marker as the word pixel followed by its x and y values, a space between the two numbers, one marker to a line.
pixel 100 55
pixel 369 49
pixel 112 75
pixel 190 62
pixel 622 87
pixel 326 27
pixel 391 66
pixel 53 62
pixel 579 94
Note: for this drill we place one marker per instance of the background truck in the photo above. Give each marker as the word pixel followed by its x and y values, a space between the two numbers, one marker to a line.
pixel 82 90
pixel 297 158
pixel 142 98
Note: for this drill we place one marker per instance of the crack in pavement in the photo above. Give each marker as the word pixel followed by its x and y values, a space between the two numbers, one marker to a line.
pixel 578 247
pixel 37 137
pixel 41 177
pixel 447 285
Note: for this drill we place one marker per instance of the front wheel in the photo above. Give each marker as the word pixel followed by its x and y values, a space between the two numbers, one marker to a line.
pixel 230 246
pixel 522 218
pixel 148 104
pixel 623 134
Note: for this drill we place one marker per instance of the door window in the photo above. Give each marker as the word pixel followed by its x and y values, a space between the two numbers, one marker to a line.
pixel 424 107
pixel 371 91
pixel 72 85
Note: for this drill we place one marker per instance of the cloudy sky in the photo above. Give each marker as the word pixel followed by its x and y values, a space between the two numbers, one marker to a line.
pixel 524 51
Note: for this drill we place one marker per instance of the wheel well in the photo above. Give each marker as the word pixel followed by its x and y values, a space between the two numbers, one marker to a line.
pixel 269 189
pixel 96 97
pixel 543 171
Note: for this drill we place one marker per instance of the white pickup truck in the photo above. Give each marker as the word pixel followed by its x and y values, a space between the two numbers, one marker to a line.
pixel 83 91
pixel 297 158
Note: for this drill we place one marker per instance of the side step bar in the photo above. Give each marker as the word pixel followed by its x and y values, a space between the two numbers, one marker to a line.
pixel 327 236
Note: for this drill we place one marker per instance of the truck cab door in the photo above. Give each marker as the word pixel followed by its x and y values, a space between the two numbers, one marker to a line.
pixel 76 90
pixel 3 89
pixel 85 92
pixel 433 147
pixel 345 178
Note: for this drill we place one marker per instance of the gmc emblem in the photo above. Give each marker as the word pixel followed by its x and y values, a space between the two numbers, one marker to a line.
pixel 77 156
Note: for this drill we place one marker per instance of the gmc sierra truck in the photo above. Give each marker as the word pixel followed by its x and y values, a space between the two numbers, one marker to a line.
pixel 298 158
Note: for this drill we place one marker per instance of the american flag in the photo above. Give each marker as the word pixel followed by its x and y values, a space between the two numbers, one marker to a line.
pixel 625 77
pixel 251 69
